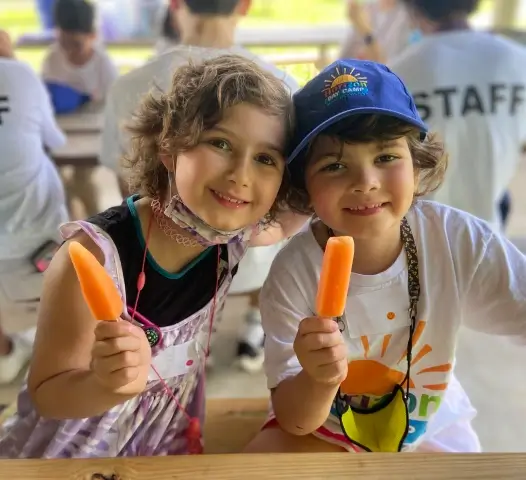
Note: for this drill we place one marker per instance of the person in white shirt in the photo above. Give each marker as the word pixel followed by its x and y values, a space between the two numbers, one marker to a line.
pixel 381 30
pixel 76 59
pixel 470 87
pixel 207 29
pixel 379 377
pixel 32 201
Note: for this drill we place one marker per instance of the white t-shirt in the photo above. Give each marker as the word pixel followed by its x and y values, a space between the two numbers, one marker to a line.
pixel 94 78
pixel 32 201
pixel 129 89
pixel 471 88
pixel 469 275
pixel 392 31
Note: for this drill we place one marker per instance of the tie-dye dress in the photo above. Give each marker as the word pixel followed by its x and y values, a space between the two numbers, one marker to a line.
pixel 149 424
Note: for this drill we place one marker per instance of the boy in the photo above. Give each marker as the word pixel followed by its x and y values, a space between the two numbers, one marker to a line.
pixel 380 377
pixel 205 26
pixel 75 60
pixel 469 86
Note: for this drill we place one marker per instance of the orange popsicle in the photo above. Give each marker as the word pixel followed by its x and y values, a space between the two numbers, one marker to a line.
pixel 335 277
pixel 98 289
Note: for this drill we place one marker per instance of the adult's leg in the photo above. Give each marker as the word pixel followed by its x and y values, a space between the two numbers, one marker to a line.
pixel 275 440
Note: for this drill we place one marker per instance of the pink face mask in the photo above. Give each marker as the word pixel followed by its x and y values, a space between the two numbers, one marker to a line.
pixel 204 234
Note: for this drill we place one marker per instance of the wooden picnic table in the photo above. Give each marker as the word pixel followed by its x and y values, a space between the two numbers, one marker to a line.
pixel 81 150
pixel 334 466
pixel 89 118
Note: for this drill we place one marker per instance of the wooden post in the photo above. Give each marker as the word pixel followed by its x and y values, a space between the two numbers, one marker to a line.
pixel 505 13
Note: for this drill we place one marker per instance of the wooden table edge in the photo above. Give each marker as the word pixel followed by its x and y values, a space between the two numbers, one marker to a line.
pixel 272 466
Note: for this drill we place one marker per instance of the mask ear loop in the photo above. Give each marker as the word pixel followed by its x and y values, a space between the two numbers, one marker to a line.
pixel 170 179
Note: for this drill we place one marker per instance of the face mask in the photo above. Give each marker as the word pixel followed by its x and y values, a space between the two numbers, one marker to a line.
pixel 205 234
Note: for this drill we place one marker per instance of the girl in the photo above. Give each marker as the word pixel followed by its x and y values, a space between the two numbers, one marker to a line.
pixel 208 164
pixel 381 377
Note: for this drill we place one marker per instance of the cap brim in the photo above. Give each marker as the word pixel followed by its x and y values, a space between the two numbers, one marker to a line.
pixel 348 113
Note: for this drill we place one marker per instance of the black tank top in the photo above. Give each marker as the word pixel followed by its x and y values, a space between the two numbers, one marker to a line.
pixel 167 298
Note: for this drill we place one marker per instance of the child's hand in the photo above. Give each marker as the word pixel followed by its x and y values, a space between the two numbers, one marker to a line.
pixel 121 357
pixel 321 350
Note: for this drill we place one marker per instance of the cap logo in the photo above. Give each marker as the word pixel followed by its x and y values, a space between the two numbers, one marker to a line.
pixel 344 83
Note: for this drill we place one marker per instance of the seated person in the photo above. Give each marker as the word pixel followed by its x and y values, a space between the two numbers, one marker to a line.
pixel 75 60
pixel 32 202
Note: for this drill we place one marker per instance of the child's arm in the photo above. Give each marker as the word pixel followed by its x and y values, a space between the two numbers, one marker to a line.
pixel 62 380
pixel 301 396
pixel 285 226
pixel 495 291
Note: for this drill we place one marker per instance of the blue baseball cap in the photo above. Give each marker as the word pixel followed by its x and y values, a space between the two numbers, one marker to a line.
pixel 345 88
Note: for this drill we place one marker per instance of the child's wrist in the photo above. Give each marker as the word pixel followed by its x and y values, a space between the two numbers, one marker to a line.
pixel 323 384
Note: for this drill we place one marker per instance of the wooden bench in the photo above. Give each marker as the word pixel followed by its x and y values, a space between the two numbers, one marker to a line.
pixel 230 422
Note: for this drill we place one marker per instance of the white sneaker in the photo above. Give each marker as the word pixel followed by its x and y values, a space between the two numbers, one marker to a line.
pixel 250 346
pixel 12 364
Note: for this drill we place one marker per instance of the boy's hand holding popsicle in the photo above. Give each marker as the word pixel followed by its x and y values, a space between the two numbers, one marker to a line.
pixel 303 402
pixel 319 344
pixel 321 350
pixel 121 354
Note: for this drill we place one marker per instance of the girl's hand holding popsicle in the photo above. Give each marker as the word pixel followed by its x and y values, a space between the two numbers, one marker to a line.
pixel 121 357
pixel 319 344
pixel 121 354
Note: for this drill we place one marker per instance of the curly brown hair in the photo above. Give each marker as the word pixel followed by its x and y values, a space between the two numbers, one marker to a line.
pixel 429 157
pixel 173 122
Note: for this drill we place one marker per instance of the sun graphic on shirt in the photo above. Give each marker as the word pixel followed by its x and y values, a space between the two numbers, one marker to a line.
pixel 344 76
pixel 370 377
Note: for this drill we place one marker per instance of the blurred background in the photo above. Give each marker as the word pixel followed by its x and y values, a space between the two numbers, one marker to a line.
pixel 121 20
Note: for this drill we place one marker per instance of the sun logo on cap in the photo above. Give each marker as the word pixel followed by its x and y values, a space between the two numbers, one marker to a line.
pixel 345 76
pixel 371 377
pixel 344 83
